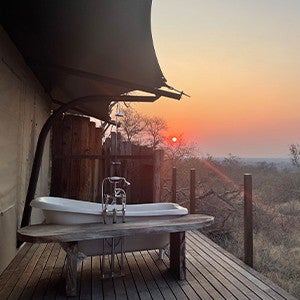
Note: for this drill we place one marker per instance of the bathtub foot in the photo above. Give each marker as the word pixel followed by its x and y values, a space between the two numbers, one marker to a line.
pixel 162 253
pixel 71 281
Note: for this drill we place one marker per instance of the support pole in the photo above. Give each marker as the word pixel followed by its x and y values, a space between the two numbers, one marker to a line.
pixel 157 162
pixel 71 280
pixel 174 184
pixel 193 191
pixel 248 220
pixel 177 255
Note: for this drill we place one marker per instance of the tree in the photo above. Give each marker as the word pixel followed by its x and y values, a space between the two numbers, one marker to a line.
pixel 132 124
pixel 153 131
pixel 231 160
pixel 149 131
pixel 295 154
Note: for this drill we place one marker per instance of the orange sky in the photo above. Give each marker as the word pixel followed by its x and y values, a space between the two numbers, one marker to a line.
pixel 240 62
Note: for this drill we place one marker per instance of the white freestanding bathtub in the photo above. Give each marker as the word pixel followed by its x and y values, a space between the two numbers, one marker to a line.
pixel 67 211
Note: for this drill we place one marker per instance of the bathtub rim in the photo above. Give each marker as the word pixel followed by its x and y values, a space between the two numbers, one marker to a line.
pixel 92 208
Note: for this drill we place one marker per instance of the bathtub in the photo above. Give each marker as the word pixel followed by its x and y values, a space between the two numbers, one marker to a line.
pixel 68 211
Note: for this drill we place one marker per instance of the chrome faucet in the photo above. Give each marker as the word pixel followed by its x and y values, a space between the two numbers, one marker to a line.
pixel 112 201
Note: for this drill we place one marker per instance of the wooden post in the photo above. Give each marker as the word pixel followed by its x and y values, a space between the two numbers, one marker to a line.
pixel 97 178
pixel 248 220
pixel 71 281
pixel 192 191
pixel 177 255
pixel 75 174
pixel 174 187
pixel 157 159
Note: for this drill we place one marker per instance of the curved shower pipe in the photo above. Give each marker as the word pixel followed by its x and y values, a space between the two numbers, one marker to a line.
pixel 41 143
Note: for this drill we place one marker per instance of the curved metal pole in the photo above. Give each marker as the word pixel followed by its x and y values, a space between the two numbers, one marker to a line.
pixel 41 143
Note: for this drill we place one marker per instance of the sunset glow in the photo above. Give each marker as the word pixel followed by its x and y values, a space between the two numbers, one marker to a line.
pixel 240 62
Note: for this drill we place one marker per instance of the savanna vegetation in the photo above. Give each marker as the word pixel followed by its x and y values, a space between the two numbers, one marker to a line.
pixel 276 221
pixel 219 192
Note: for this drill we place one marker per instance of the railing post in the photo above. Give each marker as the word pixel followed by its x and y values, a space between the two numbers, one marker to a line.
pixel 248 220
pixel 157 162
pixel 174 184
pixel 192 191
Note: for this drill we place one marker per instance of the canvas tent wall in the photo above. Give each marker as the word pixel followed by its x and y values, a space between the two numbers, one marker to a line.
pixel 24 107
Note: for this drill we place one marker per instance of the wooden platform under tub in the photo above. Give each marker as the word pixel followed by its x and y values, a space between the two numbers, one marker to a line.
pixel 69 236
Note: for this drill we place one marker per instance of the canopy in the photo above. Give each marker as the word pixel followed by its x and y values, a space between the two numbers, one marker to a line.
pixel 86 48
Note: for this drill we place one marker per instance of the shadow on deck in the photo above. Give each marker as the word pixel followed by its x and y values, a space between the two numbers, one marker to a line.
pixel 38 272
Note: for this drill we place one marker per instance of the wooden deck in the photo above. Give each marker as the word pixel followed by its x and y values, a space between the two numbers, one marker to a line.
pixel 38 272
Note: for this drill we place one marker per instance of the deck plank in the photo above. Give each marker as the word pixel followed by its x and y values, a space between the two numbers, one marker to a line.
pixel 236 289
pixel 14 264
pixel 165 291
pixel 56 275
pixel 207 289
pixel 214 263
pixel 128 280
pixel 86 281
pixel 23 275
pixel 43 282
pixel 36 272
pixel 147 276
pixel 215 276
pixel 138 277
pixel 248 275
pixel 14 271
pixel 39 271
pixel 119 285
pixel 97 292
pixel 178 287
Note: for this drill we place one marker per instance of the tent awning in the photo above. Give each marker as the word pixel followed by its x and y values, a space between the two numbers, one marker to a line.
pixel 94 47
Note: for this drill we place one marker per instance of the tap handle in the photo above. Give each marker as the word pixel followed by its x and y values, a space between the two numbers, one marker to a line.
pixel 104 215
pixel 123 212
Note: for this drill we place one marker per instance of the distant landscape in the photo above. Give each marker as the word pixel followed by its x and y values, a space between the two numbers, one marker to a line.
pixel 276 208
pixel 280 162
pixel 219 192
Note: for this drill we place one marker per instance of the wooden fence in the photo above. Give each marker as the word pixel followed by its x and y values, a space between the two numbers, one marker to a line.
pixel 80 162
pixel 74 174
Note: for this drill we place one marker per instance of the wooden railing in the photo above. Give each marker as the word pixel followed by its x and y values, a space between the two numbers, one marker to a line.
pixel 248 210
